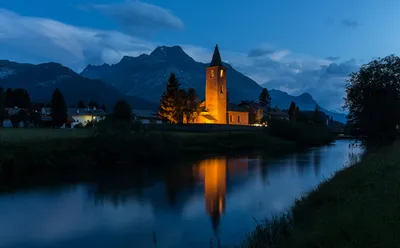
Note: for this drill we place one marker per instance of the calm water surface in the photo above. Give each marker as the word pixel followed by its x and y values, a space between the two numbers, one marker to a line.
pixel 188 206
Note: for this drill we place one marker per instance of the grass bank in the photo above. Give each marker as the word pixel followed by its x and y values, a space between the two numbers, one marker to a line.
pixel 358 207
pixel 26 151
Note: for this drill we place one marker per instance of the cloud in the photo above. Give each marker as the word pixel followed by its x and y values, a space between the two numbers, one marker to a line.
pixel 37 40
pixel 257 52
pixel 349 23
pixel 332 58
pixel 136 16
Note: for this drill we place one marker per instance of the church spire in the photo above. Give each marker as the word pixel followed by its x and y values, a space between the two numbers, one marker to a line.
pixel 216 58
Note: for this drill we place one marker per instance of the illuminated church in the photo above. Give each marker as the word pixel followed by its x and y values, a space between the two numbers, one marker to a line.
pixel 214 110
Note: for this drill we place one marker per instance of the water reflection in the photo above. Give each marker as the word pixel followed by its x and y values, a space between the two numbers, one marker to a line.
pixel 177 206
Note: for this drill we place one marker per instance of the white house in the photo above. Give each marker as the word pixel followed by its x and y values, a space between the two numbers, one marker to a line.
pixel 85 115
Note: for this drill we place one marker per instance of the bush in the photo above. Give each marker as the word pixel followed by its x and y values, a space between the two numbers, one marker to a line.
pixel 307 134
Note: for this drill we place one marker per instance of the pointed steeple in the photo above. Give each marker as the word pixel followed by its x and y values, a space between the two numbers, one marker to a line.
pixel 216 58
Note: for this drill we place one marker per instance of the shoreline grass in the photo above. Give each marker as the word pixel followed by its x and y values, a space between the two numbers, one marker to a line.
pixel 24 152
pixel 358 207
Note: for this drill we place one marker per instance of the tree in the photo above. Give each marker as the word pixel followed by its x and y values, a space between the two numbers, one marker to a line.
pixel 372 99
pixel 2 106
pixel 58 108
pixel 192 105
pixel 316 117
pixel 292 108
pixel 104 108
pixel 93 104
pixel 81 104
pixel 181 105
pixel 252 115
pixel 264 97
pixel 167 111
pixel 17 98
pixel 295 114
pixel 122 111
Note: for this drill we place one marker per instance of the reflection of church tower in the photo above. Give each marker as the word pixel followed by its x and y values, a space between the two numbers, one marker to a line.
pixel 214 172
pixel 216 97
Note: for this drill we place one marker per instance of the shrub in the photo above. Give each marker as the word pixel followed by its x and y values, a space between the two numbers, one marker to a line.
pixel 302 133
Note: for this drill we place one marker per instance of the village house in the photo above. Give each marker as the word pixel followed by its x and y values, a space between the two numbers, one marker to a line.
pixel 77 116
pixel 215 108
pixel 84 116
pixel 146 116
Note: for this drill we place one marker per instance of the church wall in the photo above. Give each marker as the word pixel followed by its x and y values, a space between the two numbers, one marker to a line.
pixel 216 96
pixel 237 118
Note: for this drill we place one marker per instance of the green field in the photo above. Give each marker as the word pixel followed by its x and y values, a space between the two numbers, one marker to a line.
pixel 358 207
pixel 16 135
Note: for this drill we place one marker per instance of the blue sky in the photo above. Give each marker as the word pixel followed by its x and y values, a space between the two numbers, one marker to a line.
pixel 296 46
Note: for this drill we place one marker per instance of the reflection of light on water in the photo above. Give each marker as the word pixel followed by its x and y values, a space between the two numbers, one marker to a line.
pixel 214 172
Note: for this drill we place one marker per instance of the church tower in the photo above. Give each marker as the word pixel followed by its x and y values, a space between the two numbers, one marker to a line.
pixel 216 95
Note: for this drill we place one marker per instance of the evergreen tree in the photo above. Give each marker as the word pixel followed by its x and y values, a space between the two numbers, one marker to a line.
pixel 2 106
pixel 58 108
pixel 264 97
pixel 167 111
pixel 292 108
pixel 122 111
pixel 81 104
pixel 316 117
pixel 295 114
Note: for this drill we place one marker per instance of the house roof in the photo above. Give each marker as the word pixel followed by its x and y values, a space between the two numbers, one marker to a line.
pixel 216 58
pixel 234 107
pixel 209 117
pixel 85 111
pixel 144 113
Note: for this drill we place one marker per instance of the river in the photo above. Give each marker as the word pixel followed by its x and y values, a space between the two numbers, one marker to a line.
pixel 189 205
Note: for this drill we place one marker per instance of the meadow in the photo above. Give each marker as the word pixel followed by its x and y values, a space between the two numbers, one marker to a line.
pixel 358 207
pixel 17 135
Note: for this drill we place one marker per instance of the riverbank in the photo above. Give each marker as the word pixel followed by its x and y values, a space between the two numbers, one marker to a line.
pixel 37 150
pixel 358 207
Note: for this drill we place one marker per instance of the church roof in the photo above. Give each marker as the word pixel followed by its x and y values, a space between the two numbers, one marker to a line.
pixel 216 58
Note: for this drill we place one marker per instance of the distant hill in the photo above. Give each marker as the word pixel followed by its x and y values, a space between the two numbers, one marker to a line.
pixel 41 80
pixel 146 76
pixel 305 102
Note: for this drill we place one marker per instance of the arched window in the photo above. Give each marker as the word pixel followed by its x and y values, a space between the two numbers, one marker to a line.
pixel 221 73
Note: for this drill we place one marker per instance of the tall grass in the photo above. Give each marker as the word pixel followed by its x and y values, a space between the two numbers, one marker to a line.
pixel 358 207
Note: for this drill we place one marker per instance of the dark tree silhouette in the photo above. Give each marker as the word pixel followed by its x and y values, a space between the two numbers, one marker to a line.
pixel 372 98
pixel 264 97
pixel 122 111
pixel 81 104
pixel 2 106
pixel 291 109
pixel 93 104
pixel 58 108
pixel 17 98
pixel 316 117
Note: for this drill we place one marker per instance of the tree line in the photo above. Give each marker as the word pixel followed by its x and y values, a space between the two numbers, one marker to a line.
pixel 29 112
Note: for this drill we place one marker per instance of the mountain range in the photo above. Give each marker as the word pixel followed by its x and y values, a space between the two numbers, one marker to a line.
pixel 139 80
